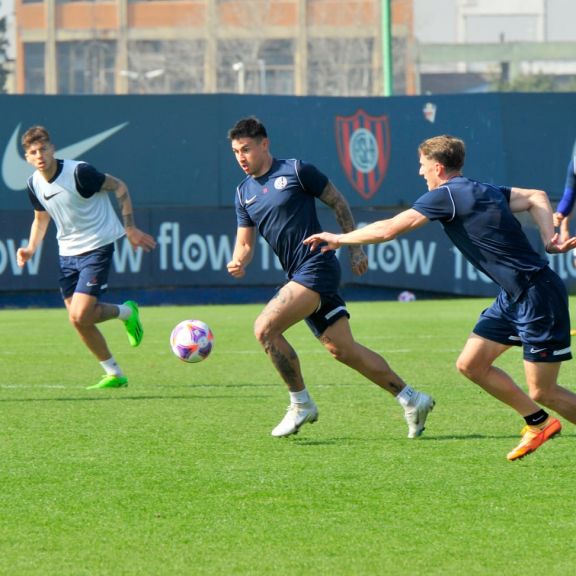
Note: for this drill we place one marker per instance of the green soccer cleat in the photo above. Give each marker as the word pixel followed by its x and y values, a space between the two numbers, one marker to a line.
pixel 133 325
pixel 110 381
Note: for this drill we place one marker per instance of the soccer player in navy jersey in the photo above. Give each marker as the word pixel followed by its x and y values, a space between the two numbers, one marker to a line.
pixel 278 200
pixel 531 309
pixel 76 196
pixel 566 204
pixel 563 213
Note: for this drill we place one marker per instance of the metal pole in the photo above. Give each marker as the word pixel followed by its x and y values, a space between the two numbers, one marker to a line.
pixel 387 62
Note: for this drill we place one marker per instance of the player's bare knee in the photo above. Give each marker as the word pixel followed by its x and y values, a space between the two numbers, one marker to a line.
pixel 467 369
pixel 261 332
pixel 341 353
pixel 265 333
pixel 80 319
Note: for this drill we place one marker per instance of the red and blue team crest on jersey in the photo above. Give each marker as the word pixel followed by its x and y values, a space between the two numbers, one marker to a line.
pixel 364 150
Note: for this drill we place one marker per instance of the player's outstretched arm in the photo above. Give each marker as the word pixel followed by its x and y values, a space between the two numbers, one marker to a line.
pixel 380 231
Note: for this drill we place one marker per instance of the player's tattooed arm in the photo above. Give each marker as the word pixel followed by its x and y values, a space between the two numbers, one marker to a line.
pixel 113 184
pixel 136 237
pixel 333 198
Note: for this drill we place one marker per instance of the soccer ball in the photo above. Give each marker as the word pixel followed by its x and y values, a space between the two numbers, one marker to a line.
pixel 192 340
pixel 406 296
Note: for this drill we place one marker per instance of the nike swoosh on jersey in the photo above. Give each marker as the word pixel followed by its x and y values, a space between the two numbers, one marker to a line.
pixel 51 195
pixel 15 170
pixel 250 200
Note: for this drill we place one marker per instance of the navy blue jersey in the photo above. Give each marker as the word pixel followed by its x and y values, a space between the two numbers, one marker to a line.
pixel 282 205
pixel 478 219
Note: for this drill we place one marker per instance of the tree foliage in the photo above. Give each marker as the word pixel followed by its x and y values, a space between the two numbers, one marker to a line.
pixel 536 83
pixel 3 55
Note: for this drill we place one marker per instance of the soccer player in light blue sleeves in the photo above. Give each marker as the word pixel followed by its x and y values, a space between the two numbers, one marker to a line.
pixel 76 196
pixel 531 309
pixel 277 199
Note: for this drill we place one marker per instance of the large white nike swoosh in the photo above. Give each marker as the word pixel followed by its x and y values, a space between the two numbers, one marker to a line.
pixel 15 170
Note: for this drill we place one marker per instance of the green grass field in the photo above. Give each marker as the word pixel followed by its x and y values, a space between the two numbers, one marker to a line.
pixel 178 473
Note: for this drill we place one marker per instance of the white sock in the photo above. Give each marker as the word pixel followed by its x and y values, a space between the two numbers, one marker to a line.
pixel 111 367
pixel 124 312
pixel 299 397
pixel 406 395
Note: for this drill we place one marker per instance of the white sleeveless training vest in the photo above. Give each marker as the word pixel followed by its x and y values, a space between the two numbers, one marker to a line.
pixel 82 224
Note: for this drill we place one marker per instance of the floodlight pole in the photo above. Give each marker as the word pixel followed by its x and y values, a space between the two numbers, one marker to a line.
pixel 387 62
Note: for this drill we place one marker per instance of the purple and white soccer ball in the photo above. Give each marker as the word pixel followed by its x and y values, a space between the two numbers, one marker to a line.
pixel 406 296
pixel 192 341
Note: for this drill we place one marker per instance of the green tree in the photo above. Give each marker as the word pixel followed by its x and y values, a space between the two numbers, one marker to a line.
pixel 3 55
pixel 535 83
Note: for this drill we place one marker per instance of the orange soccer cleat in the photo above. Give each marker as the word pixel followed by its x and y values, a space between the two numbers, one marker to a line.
pixel 534 436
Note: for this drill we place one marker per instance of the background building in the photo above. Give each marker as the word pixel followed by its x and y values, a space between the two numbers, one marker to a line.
pixel 301 47
pixel 490 45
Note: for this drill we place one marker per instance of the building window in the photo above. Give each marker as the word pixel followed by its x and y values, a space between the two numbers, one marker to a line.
pixel 276 62
pixel 86 67
pixel 34 71
pixel 340 67
pixel 165 66
pixel 256 67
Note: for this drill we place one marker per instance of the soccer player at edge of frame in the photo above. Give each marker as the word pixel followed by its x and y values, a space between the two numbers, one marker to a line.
pixel 565 208
pixel 75 195
pixel 531 309
pixel 278 199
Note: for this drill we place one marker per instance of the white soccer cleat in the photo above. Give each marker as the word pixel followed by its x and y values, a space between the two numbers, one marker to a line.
pixel 296 416
pixel 417 412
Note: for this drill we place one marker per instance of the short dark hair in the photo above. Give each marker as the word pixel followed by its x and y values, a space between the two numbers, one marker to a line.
pixel 33 135
pixel 249 127
pixel 447 150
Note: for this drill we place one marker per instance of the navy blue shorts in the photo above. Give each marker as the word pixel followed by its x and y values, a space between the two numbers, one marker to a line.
pixel 332 307
pixel 323 276
pixel 86 273
pixel 319 273
pixel 539 321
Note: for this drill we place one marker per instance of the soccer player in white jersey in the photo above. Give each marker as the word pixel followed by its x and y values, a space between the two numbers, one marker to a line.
pixel 75 195
pixel 277 199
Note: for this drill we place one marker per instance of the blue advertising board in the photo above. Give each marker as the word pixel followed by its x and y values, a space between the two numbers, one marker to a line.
pixel 173 150
pixel 194 246
pixel 173 153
